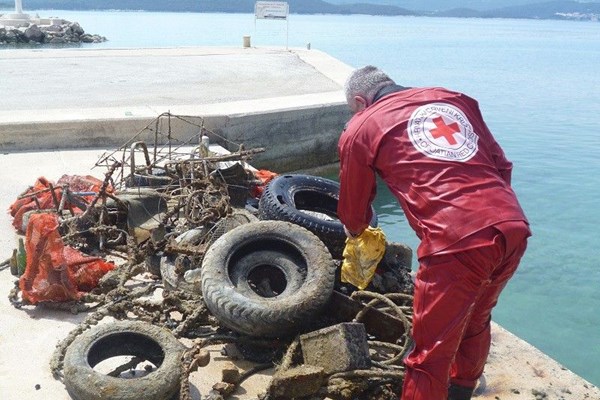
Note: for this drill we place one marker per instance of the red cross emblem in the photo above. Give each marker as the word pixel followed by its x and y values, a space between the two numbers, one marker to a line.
pixel 444 130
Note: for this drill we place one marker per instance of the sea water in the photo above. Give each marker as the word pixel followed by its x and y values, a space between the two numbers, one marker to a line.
pixel 538 85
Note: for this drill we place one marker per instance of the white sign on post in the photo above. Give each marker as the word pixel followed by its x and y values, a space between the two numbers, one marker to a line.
pixel 271 10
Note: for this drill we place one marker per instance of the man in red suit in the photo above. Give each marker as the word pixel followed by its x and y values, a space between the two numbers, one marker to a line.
pixel 435 153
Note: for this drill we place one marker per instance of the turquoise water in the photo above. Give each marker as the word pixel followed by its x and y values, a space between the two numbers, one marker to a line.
pixel 539 88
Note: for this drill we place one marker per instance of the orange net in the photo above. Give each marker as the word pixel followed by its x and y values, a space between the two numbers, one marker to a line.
pixel 43 195
pixel 56 272
pixel 78 183
pixel 42 201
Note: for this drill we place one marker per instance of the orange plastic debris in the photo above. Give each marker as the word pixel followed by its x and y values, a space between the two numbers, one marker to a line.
pixel 46 200
pixel 78 183
pixel 265 176
pixel 21 206
pixel 56 272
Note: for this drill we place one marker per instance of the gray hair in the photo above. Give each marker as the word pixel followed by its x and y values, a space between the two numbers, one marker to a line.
pixel 366 82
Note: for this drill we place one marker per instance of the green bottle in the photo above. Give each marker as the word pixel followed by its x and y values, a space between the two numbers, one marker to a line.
pixel 13 263
pixel 21 258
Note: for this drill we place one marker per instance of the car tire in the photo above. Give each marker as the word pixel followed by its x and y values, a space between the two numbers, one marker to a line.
pixel 267 278
pixel 123 338
pixel 308 201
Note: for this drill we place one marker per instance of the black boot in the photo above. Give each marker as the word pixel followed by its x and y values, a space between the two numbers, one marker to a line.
pixel 456 392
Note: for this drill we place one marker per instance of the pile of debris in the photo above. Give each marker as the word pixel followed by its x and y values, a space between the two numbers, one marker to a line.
pixel 193 243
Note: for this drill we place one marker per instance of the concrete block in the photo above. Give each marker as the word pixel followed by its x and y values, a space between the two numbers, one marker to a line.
pixel 341 347
pixel 301 381
pixel 230 373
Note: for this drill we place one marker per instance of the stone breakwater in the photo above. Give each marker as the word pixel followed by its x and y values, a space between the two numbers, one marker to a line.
pixel 61 33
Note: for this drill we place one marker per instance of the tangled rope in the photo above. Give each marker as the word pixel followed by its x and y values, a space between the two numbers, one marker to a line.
pixel 401 311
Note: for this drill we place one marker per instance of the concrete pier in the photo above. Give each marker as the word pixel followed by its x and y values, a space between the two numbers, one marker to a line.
pixel 288 101
pixel 60 109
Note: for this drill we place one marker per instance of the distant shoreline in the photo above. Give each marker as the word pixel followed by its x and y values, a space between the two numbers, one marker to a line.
pixel 552 10
pixel 594 18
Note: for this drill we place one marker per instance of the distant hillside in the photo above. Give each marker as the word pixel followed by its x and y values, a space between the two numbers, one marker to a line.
pixel 240 6
pixel 549 10
pixel 459 13
pixel 444 5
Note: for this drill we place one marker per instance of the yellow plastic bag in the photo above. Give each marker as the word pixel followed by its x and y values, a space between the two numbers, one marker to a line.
pixel 361 256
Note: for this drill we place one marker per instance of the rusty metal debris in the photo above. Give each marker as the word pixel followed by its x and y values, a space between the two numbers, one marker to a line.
pixel 164 200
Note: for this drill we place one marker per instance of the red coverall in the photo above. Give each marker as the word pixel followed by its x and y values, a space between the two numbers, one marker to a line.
pixel 437 156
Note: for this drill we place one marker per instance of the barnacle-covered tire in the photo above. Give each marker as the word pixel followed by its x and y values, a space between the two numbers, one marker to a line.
pixel 267 278
pixel 123 338
pixel 308 201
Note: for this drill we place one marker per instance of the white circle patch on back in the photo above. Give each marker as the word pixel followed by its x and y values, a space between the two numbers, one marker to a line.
pixel 443 132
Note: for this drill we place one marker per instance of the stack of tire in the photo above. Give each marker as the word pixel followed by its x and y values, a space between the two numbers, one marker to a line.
pixel 268 278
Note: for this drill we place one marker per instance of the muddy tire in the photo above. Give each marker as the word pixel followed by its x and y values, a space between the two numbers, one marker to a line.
pixel 267 278
pixel 123 338
pixel 308 201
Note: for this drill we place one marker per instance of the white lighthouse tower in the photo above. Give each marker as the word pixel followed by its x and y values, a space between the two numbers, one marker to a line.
pixel 18 18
